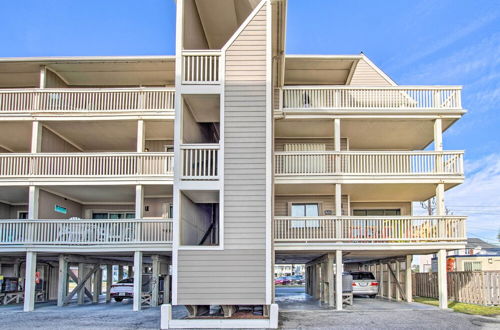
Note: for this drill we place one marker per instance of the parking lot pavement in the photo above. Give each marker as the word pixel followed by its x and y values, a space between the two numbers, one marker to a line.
pixel 408 319
pixel 89 316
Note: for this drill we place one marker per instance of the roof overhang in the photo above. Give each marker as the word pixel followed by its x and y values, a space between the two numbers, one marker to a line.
pixel 117 71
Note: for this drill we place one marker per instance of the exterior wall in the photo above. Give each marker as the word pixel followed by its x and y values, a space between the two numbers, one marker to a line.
pixel 279 143
pixel 237 274
pixel 405 207
pixel 53 81
pixel 4 211
pixel 485 264
pixel 47 202
pixel 194 221
pixel 192 131
pixel 158 145
pixel 53 143
pixel 193 30
pixel 365 75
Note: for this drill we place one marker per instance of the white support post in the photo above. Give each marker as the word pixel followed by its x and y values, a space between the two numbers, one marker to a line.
pixel 155 280
pixel 438 134
pixel 442 280
pixel 141 135
pixel 62 284
pixel 336 132
pixel 338 279
pixel 81 292
pixel 36 137
pixel 139 201
pixel 137 281
pixel 33 197
pixel 338 210
pixel 331 280
pixel 408 279
pixel 109 282
pixel 29 286
pixel 43 77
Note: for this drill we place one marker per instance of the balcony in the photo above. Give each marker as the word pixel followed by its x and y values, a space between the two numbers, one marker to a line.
pixel 364 164
pixel 85 234
pixel 369 230
pixel 200 161
pixel 393 98
pixel 86 165
pixel 87 100
pixel 201 67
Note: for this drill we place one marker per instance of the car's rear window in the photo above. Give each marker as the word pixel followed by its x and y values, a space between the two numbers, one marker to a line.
pixel 127 280
pixel 362 276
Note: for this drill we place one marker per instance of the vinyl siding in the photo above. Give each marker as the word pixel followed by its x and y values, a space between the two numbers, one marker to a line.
pixel 365 75
pixel 237 275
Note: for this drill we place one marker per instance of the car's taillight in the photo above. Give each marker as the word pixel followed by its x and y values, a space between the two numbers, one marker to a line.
pixel 374 283
pixel 353 284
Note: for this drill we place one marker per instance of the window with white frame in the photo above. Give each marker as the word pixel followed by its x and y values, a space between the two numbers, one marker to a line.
pixel 472 266
pixel 305 210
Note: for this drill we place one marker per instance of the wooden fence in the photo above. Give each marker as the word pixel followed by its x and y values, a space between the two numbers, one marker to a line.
pixel 482 288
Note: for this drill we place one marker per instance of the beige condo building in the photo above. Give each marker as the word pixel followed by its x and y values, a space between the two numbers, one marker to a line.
pixel 213 165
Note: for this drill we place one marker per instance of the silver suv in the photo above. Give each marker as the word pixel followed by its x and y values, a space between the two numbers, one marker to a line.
pixel 364 283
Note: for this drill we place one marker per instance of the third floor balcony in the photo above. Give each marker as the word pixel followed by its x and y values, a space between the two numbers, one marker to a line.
pixel 311 99
pixel 87 100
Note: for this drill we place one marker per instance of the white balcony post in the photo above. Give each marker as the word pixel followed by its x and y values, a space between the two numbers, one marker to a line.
pixel 36 136
pixel 109 282
pixel 141 135
pixel 338 210
pixel 438 134
pixel 33 197
pixel 381 284
pixel 43 76
pixel 408 279
pixel 331 281
pixel 336 134
pixel 137 281
pixel 442 280
pixel 139 209
pixel 29 286
pixel 338 280
pixel 62 284
pixel 397 272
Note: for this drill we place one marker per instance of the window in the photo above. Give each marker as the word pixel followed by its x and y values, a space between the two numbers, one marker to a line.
pixel 22 215
pixel 113 215
pixel 472 266
pixel 305 210
pixel 376 212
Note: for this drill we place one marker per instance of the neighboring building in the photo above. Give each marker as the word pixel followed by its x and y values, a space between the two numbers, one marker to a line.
pixel 219 161
pixel 477 255
pixel 288 270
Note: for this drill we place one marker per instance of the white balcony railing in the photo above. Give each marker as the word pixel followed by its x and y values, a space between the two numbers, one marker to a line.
pixel 369 163
pixel 309 98
pixel 86 164
pixel 201 67
pixel 86 100
pixel 200 161
pixel 350 229
pixel 82 232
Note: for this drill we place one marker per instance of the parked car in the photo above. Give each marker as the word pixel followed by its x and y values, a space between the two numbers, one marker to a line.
pixel 124 289
pixel 364 283
pixel 297 279
pixel 283 280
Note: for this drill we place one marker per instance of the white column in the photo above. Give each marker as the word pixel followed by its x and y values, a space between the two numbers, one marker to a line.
pixel 137 281
pixel 338 279
pixel 338 210
pixel 43 76
pixel 139 201
pixel 442 280
pixel 29 286
pixel 155 280
pixel 336 133
pixel 97 279
pixel 62 283
pixel 141 135
pixel 408 279
pixel 33 196
pixel 438 134
pixel 36 136
pixel 381 284
pixel 109 282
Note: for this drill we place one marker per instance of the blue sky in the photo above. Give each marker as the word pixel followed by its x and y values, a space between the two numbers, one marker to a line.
pixel 426 42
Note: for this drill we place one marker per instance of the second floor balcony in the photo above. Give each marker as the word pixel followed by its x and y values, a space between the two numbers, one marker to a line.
pixel 87 100
pixel 85 234
pixel 85 166
pixel 364 164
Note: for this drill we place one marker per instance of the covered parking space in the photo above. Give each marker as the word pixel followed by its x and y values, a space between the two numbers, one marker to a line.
pixel 328 284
